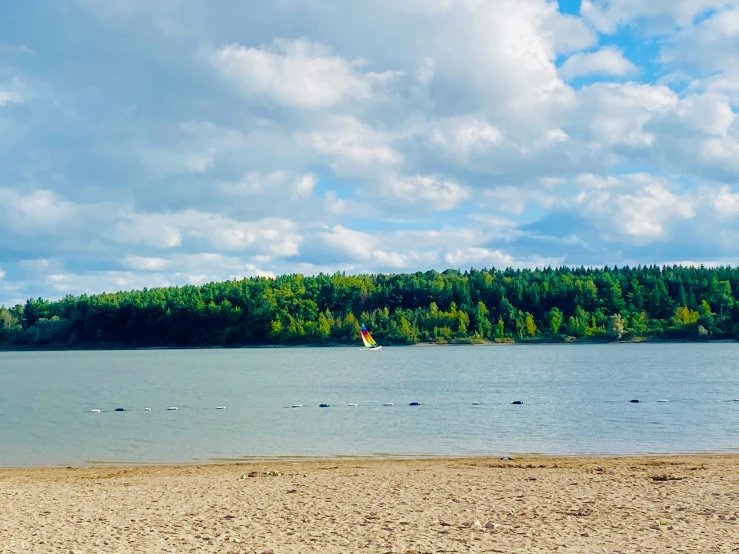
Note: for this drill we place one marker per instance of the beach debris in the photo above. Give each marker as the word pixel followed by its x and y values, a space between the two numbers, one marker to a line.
pixel 444 524
pixel 228 516
pixel 173 408
pixel 292 491
pixel 473 524
pixel 96 410
pixel 662 400
pixel 584 511
pixel 507 458
pixel 263 474
pixel 147 409
pixel 351 404
pixel 666 477
pixel 476 403
pixel 220 407
pixel 388 404
pixel 492 525
pixel 297 406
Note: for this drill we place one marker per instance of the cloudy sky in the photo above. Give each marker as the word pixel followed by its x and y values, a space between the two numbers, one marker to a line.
pixel 157 142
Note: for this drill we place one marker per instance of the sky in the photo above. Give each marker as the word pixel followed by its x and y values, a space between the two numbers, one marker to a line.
pixel 151 143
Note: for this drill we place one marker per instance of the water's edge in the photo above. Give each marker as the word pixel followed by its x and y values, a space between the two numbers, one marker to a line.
pixel 417 345
pixel 255 460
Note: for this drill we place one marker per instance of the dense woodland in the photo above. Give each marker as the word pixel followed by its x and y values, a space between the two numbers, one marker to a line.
pixel 564 304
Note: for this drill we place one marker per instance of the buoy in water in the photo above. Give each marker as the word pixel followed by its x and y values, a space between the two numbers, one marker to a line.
pixel 173 408
pixel 517 402
pixel 220 407
pixel 147 409
pixel 120 409
pixel 414 404
pixel 662 400
pixel 351 404
pixel 634 401
pixel 388 404
pixel 475 403
pixel 96 410
pixel 323 406
pixel 297 405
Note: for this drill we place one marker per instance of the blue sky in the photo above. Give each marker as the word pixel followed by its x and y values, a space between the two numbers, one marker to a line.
pixel 151 143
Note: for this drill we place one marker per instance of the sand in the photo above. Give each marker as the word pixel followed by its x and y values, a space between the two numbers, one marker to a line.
pixel 645 504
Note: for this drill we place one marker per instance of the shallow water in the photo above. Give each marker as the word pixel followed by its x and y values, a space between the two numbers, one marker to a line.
pixel 576 401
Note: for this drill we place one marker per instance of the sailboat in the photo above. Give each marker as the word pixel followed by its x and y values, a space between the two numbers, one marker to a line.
pixel 369 342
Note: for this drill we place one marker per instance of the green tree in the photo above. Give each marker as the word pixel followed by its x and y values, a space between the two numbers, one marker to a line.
pixel 556 318
pixel 616 326
pixel 530 325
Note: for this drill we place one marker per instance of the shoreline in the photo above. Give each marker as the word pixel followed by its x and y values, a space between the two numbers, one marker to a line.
pixel 533 504
pixel 372 458
pixel 415 345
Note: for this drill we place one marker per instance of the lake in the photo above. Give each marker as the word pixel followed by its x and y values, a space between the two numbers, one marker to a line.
pixel 576 401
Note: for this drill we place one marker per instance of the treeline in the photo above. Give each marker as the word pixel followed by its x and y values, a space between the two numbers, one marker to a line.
pixel 564 304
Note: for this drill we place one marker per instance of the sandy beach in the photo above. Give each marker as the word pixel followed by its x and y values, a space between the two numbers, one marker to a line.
pixel 633 504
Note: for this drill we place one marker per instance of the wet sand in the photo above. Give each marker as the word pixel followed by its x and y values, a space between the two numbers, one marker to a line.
pixel 633 504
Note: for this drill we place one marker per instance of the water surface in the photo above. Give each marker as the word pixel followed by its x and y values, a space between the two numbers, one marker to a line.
pixel 576 401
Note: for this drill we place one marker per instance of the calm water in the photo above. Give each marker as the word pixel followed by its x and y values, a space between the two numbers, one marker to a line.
pixel 576 400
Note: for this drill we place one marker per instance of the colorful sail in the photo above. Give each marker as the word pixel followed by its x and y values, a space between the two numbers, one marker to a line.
pixel 367 339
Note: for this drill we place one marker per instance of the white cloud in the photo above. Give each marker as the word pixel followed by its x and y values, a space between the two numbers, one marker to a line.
pixel 2 274
pixel 608 61
pixel 485 257
pixel 276 236
pixel 142 263
pixel 9 97
pixel 303 187
pixel 608 15
pixel 725 202
pixel 708 113
pixel 34 213
pixel 411 250
pixel 355 243
pixel 299 73
pixel 431 191
pixel 147 230
pixel 340 206
pixel 514 200
pixel 588 180
pixel 276 185
pixel 463 136
pixel 201 144
pixel 12 93
pixel 642 211
pixel 353 146
pixel 556 135
pixel 614 113
pixel 706 54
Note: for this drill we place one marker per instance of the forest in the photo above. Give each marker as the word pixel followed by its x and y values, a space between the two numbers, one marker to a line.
pixel 476 306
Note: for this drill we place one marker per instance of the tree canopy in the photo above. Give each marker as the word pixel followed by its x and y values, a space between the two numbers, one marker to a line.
pixel 562 304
